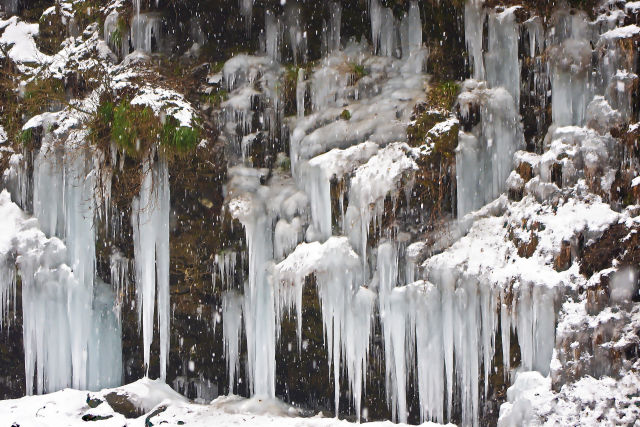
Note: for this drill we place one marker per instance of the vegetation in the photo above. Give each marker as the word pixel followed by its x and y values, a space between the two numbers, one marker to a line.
pixel 435 180
pixel 358 71
pixel 135 129
pixel 216 97
pixel 443 95
pixel 345 115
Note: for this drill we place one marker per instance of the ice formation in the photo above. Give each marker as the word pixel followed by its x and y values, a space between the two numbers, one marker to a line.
pixel 67 311
pixel 146 32
pixel 441 307
pixel 484 156
pixel 331 28
pixel 150 221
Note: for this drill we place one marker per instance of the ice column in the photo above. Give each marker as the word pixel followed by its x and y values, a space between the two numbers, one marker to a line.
pixel 571 88
pixel 273 35
pixel 258 308
pixel 331 36
pixel 501 60
pixel 383 29
pixel 61 314
pixel 246 10
pixel 296 34
pixel 484 156
pixel 231 329
pixel 301 90
pixel 146 32
pixel 150 221
pixel 347 308
pixel 474 16
pixel 411 30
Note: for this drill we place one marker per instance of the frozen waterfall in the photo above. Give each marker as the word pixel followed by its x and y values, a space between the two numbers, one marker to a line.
pixel 150 221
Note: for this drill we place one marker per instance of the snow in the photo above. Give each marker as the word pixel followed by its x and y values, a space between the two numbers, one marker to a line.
pixel 18 38
pixel 159 405
pixel 165 101
pixel 589 401
pixel 438 315
pixel 622 32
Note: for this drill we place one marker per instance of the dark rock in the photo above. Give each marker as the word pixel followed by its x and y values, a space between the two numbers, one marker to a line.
pixel 122 405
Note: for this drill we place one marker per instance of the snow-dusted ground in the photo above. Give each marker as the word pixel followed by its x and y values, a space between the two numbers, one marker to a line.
pixel 157 404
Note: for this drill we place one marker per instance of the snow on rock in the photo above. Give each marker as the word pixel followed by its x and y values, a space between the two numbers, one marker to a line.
pixel 165 101
pixel 379 103
pixel 588 401
pixel 147 402
pixel 622 32
pixel 381 176
pixel 477 274
pixel 18 40
pixel 319 173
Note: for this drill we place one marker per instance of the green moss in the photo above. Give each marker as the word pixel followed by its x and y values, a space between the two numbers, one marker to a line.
pixel 216 97
pixel 443 95
pixel 345 115
pixel 134 129
pixel 26 136
pixel 358 70
pixel 179 138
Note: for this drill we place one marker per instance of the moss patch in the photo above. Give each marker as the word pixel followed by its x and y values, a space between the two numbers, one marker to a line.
pixel 135 129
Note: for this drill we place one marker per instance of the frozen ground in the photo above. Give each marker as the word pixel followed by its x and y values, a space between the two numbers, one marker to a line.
pixel 148 402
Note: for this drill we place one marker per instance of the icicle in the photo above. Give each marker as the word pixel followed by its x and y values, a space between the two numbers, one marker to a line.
pixel 119 268
pixel 61 316
pixel 484 157
pixel 346 308
pixel 246 10
pixel 333 31
pixel 571 90
pixel 411 31
pixel 258 306
pixel 297 37
pixel 383 29
pixel 301 91
pixel 273 35
pixel 316 179
pixel 501 59
pixel 427 323
pixel 231 328
pixel 371 183
pixel 146 32
pixel 150 221
pixel 474 16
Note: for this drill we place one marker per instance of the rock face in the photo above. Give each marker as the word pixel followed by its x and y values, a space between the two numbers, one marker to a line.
pixel 416 211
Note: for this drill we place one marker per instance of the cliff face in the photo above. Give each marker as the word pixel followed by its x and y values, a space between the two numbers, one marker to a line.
pixel 417 211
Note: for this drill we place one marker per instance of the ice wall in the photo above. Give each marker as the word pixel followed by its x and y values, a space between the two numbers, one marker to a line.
pixel 112 33
pixel 146 32
pixel 70 332
pixel 347 308
pixel 150 221
pixel 246 10
pixel 331 28
pixel 484 157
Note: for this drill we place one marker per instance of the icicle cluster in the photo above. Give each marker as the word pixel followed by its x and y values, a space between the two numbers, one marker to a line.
pixel 150 221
